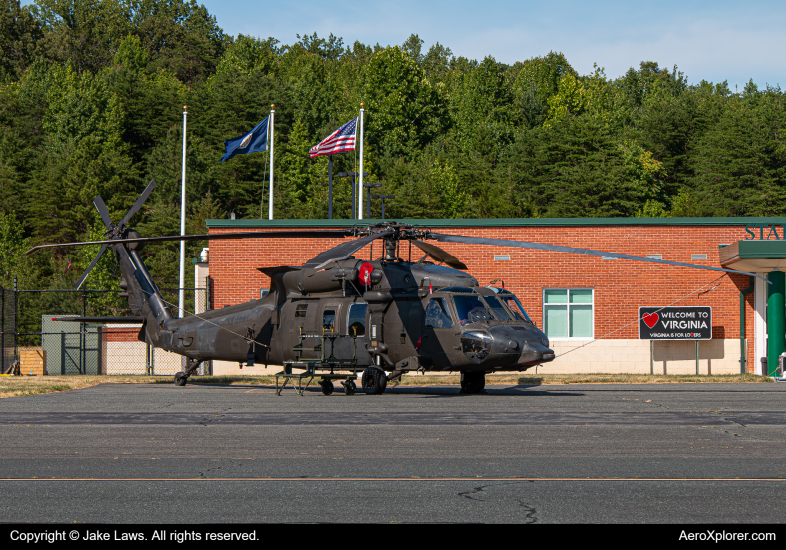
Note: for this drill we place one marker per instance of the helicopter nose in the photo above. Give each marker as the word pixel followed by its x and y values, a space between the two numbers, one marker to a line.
pixel 527 344
pixel 536 353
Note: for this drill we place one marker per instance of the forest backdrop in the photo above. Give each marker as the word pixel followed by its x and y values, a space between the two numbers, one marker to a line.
pixel 91 100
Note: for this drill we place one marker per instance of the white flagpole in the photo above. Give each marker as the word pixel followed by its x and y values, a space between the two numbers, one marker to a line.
pixel 270 198
pixel 360 185
pixel 183 221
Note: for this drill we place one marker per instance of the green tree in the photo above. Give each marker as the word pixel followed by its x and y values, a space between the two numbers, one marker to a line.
pixel 738 170
pixel 452 199
pixel 404 111
pixel 82 106
pixel 574 169
pixel 151 102
pixel 85 32
pixel 247 54
pixel 20 36
pixel 13 244
pixel 180 36
pixel 544 73
pixel 481 107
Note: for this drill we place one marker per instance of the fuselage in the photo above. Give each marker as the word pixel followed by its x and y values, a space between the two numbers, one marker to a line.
pixel 355 313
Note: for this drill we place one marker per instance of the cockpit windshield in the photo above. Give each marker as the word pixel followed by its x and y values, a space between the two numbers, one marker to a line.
pixel 470 309
pixel 515 307
pixel 497 309
pixel 502 307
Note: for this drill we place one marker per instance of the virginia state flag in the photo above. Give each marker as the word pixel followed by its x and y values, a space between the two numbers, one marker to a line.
pixel 252 142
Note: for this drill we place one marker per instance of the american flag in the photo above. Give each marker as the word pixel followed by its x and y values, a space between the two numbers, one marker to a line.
pixel 339 141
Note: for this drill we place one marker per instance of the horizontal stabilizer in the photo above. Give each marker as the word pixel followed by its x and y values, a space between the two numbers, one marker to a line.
pixel 270 271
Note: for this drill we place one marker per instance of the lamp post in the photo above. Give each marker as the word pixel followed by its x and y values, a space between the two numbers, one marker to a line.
pixel 369 186
pixel 353 175
pixel 383 197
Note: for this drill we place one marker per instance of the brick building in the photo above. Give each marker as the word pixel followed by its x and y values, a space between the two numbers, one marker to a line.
pixel 588 306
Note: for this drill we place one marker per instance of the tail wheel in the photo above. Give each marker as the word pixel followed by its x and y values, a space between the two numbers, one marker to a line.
pixel 374 381
pixel 473 382
pixel 180 379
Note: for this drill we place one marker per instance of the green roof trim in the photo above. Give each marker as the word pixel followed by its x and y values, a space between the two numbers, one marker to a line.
pixel 762 249
pixel 503 222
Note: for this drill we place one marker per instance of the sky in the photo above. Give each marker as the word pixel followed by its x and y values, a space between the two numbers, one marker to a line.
pixel 708 40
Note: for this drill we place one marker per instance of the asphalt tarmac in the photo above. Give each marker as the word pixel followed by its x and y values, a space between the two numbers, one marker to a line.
pixel 651 453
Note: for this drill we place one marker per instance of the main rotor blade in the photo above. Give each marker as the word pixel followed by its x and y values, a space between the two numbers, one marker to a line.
pixel 91 266
pixel 208 237
pixel 139 202
pixel 344 250
pixel 570 250
pixel 440 255
pixel 103 210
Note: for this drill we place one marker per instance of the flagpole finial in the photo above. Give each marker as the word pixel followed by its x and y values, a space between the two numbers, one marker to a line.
pixel 272 106
pixel 361 105
pixel 185 107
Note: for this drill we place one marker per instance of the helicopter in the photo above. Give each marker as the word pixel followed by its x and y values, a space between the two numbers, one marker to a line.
pixel 382 317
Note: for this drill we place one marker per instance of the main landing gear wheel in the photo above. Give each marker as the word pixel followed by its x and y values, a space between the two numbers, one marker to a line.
pixel 374 381
pixel 349 387
pixel 327 387
pixel 473 382
pixel 180 379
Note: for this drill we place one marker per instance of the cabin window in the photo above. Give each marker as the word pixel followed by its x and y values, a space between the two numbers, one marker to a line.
pixel 300 310
pixel 568 312
pixel 356 319
pixel 438 314
pixel 329 320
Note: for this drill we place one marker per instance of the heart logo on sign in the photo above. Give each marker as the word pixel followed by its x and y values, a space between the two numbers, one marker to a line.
pixel 650 319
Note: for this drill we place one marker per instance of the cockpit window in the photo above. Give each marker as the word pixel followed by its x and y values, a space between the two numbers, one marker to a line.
pixel 497 308
pixel 515 307
pixel 470 309
pixel 438 314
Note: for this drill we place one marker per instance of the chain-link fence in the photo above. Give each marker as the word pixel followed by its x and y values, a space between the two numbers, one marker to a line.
pixel 29 330
pixel 8 351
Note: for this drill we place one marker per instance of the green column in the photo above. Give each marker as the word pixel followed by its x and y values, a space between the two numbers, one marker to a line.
pixel 776 320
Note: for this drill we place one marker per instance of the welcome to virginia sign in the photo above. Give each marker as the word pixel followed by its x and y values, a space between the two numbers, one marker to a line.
pixel 675 323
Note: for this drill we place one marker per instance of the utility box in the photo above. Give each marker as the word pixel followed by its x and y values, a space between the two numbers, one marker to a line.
pixel 32 362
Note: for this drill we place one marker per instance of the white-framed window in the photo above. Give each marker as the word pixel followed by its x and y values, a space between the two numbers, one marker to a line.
pixel 569 313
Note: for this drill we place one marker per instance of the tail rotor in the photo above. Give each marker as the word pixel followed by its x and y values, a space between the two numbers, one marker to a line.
pixel 114 231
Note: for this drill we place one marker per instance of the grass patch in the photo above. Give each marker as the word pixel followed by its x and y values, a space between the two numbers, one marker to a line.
pixel 13 386
pixel 16 386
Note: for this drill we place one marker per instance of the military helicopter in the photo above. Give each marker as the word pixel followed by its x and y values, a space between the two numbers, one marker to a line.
pixel 336 312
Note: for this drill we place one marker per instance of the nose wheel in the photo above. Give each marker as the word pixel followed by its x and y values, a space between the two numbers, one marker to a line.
pixel 473 382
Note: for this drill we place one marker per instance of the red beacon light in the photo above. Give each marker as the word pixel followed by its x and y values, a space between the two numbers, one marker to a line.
pixel 364 274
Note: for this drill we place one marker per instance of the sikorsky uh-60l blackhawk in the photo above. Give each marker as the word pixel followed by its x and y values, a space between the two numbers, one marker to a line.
pixel 382 317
